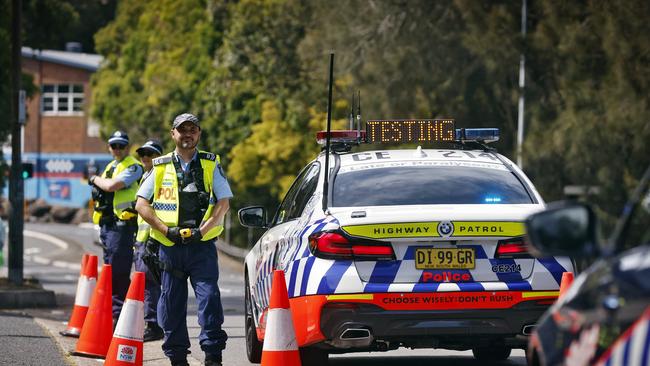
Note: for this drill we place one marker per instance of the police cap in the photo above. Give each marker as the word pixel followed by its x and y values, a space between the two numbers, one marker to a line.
pixel 151 145
pixel 185 117
pixel 119 137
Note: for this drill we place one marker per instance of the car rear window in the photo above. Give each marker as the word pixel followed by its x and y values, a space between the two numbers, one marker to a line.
pixel 427 185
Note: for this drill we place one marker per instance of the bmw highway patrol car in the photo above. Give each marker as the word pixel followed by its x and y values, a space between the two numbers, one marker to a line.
pixel 416 247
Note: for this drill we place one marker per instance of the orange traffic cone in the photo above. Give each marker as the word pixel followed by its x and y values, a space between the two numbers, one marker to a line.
pixel 567 280
pixel 126 346
pixel 84 260
pixel 280 346
pixel 97 331
pixel 85 288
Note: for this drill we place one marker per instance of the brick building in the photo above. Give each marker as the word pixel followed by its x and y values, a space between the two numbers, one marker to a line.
pixel 58 120
pixel 59 136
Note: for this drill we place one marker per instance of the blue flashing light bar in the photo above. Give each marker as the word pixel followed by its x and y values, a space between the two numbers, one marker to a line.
pixel 484 135
pixel 492 199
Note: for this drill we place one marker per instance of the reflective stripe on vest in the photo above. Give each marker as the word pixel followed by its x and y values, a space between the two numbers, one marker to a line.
pixel 125 197
pixel 165 197
pixel 143 230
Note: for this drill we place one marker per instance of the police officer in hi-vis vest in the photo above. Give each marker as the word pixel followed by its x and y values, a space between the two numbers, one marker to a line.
pixel 152 332
pixel 114 195
pixel 185 200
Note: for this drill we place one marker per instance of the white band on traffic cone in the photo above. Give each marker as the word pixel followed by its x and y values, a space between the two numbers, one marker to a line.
pixel 85 288
pixel 130 325
pixel 280 335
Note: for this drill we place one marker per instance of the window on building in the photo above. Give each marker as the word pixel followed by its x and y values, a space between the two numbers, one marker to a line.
pixel 62 99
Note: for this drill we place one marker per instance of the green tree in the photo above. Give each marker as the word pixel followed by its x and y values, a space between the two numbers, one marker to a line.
pixel 6 67
pixel 586 97
pixel 597 106
pixel 49 24
pixel 145 82
pixel 415 59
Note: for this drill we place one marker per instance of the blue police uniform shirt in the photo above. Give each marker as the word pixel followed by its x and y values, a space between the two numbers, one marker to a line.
pixel 220 185
pixel 130 175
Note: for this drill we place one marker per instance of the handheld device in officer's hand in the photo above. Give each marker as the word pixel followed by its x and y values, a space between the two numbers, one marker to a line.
pixel 186 233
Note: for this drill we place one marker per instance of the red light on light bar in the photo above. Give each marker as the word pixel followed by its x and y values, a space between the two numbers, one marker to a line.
pixel 349 136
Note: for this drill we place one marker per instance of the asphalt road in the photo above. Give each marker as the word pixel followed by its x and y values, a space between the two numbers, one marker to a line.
pixel 56 264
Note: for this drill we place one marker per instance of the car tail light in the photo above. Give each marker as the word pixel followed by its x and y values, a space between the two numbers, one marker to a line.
pixel 333 245
pixel 512 248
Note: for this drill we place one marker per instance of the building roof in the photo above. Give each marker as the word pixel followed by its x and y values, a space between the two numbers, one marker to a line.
pixel 86 61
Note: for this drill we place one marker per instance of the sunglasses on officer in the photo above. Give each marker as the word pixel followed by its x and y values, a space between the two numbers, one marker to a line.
pixel 117 146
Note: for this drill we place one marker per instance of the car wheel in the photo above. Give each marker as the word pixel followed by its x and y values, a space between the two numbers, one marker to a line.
pixel 253 345
pixel 491 353
pixel 313 356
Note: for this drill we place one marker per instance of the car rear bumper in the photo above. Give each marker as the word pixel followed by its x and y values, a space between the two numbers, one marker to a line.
pixel 377 321
pixel 344 327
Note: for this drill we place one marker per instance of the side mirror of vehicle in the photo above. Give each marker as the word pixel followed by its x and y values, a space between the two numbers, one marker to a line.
pixel 563 229
pixel 253 216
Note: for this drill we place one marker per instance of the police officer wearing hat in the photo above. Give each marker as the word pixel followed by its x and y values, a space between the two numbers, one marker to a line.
pixel 152 332
pixel 185 200
pixel 114 195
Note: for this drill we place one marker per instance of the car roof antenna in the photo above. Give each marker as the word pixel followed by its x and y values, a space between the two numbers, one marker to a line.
pixel 351 117
pixel 359 117
pixel 329 130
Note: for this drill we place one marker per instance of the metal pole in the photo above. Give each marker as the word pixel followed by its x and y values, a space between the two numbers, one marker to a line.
pixel 522 84
pixel 39 126
pixel 16 188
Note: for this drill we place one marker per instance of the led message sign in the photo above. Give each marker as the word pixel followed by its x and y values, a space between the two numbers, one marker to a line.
pixel 410 130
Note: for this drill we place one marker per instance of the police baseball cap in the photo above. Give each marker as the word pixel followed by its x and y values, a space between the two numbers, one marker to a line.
pixel 151 145
pixel 119 137
pixel 185 117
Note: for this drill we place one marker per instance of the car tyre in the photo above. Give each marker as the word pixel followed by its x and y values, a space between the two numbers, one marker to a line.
pixel 313 356
pixel 253 344
pixel 491 353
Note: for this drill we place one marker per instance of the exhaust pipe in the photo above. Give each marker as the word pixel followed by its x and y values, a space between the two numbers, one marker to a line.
pixel 528 329
pixel 354 334
pixel 353 338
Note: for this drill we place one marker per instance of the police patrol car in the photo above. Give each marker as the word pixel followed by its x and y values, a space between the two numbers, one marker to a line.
pixel 604 316
pixel 420 248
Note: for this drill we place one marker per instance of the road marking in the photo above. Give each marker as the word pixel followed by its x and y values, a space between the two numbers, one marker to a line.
pixel 41 260
pixel 48 238
pixel 45 261
pixel 29 251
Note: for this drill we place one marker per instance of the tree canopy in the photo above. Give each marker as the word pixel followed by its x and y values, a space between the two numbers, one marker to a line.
pixel 255 73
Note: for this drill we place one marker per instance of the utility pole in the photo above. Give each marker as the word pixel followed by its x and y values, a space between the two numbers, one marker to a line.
pixel 16 188
pixel 522 83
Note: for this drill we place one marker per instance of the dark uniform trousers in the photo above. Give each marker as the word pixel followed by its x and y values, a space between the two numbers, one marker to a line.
pixel 199 262
pixel 151 288
pixel 118 238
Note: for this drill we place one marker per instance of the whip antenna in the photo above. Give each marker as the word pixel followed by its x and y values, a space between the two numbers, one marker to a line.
pixel 329 130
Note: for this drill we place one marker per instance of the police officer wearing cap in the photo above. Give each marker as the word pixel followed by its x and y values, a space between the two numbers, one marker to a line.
pixel 185 200
pixel 152 332
pixel 114 195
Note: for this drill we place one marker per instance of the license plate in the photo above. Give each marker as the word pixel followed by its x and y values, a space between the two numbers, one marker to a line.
pixel 444 258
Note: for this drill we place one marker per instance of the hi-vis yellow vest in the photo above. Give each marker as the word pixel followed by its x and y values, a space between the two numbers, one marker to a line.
pixel 143 230
pixel 125 197
pixel 165 194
